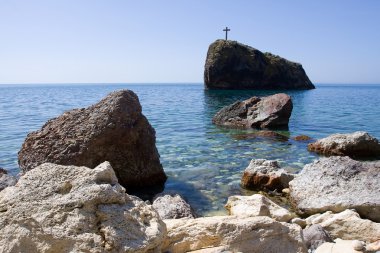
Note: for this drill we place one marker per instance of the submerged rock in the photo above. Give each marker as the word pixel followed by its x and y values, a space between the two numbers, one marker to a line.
pixel 262 134
pixel 55 208
pixel 264 174
pixel 302 138
pixel 113 130
pixel 172 207
pixel 335 184
pixel 6 180
pixel 356 145
pixel 347 225
pixel 232 65
pixel 236 234
pixel 256 205
pixel 261 113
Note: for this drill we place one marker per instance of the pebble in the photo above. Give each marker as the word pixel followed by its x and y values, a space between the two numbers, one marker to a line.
pixel 358 245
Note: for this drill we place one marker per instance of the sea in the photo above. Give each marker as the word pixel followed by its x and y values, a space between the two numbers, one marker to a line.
pixel 204 162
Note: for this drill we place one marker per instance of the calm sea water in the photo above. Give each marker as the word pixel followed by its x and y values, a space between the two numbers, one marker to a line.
pixel 204 162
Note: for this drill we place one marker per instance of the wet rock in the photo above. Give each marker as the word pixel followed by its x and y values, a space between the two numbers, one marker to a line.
pixel 236 234
pixel 262 134
pixel 347 225
pixel 315 236
pixel 172 207
pixel 356 145
pixel 335 184
pixel 256 205
pixel 261 113
pixel 339 246
pixel 6 180
pixel 264 174
pixel 302 138
pixel 232 65
pixel 57 208
pixel 113 130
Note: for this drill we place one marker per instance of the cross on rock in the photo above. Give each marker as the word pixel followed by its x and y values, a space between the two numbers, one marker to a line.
pixel 226 30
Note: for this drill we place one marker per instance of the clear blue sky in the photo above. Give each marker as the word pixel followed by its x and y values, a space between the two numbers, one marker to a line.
pixel 76 41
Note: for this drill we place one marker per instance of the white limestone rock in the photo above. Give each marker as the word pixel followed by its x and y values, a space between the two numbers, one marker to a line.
pixel 56 208
pixel 257 205
pixel 233 233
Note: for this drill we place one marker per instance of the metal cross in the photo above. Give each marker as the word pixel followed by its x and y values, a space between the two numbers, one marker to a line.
pixel 226 30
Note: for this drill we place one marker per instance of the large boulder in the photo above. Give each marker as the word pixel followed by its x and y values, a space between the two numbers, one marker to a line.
pixel 236 234
pixel 172 207
pixel 356 145
pixel 232 65
pixel 256 205
pixel 55 208
pixel 256 112
pixel 335 184
pixel 113 130
pixel 264 174
pixel 6 179
pixel 347 225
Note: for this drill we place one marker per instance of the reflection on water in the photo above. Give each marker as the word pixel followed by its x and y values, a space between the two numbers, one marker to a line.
pixel 204 162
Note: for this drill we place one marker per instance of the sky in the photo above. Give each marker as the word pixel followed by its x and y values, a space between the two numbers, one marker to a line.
pixel 141 41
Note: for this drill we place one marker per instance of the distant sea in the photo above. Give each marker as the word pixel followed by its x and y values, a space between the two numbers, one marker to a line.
pixel 204 162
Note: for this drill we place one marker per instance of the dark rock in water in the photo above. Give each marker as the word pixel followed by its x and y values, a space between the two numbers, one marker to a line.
pixel 315 236
pixel 336 184
pixel 264 174
pixel 262 134
pixel 112 130
pixel 6 180
pixel 232 65
pixel 302 138
pixel 265 112
pixel 356 145
pixel 172 207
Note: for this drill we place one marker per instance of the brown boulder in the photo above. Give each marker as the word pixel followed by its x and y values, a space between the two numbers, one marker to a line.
pixel 264 174
pixel 113 130
pixel 256 112
pixel 357 144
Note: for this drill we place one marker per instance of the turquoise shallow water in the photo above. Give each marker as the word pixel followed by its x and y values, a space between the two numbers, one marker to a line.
pixel 204 162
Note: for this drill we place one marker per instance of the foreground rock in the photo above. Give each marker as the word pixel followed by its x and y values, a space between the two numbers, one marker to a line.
pixel 339 246
pixel 347 225
pixel 232 65
pixel 57 208
pixel 335 184
pixel 264 174
pixel 262 113
pixel 315 236
pixel 237 234
pixel 6 180
pixel 112 130
pixel 172 207
pixel 357 144
pixel 256 205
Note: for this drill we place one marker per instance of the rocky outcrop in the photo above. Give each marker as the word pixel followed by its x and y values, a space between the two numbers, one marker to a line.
pixel 172 207
pixel 347 225
pixel 356 145
pixel 256 205
pixel 113 130
pixel 315 236
pixel 232 65
pixel 261 113
pixel 6 179
pixel 264 174
pixel 237 234
pixel 335 184
pixel 56 208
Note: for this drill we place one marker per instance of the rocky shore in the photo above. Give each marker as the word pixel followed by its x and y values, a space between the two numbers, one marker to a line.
pixel 74 192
